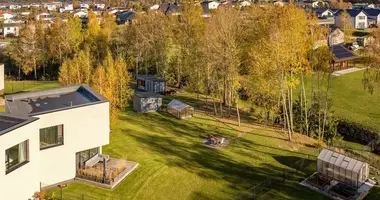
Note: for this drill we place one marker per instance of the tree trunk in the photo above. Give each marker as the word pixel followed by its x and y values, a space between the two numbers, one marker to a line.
pixel 237 111
pixel 326 105
pixel 319 105
pixel 305 103
pixel 283 81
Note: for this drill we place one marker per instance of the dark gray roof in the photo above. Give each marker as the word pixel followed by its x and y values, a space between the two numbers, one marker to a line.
pixel 149 77
pixel 9 122
pixel 341 53
pixel 351 12
pixel 372 12
pixel 46 101
pixel 147 94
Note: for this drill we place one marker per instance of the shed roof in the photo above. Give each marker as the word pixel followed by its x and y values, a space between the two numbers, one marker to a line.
pixel 341 160
pixel 341 53
pixel 178 105
pixel 149 77
pixel 46 101
pixel 147 94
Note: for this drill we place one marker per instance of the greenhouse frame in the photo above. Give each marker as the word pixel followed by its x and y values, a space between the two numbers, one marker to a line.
pixel 342 168
pixel 180 110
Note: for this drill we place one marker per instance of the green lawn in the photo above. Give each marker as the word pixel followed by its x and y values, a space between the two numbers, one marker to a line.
pixel 351 102
pixel 174 164
pixel 22 86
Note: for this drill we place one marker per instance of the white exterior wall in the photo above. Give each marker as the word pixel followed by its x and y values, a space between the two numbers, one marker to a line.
pixel 11 30
pixel 213 5
pixel 23 182
pixel 83 128
pixel 8 16
pixel 358 21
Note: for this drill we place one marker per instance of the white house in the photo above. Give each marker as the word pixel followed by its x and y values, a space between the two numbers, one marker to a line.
pixel 50 6
pixel 14 6
pixel 81 14
pixel 324 13
pixel 210 4
pixel 245 3
pixel 44 16
pixel 46 136
pixel 84 5
pixel 69 7
pixel 373 16
pixel 100 6
pixel 11 29
pixel 5 15
pixel 278 3
pixel 35 5
pixel 358 18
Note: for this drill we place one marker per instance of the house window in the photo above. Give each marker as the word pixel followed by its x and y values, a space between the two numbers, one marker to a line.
pixel 8 28
pixel 362 17
pixel 51 136
pixel 16 156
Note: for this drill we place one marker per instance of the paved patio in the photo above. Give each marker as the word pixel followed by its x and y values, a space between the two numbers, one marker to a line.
pixel 347 71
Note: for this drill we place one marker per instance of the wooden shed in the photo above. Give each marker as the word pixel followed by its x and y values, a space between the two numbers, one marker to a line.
pixel 150 83
pixel 144 102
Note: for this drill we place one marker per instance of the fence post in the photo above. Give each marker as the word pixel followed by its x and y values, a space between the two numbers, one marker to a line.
pixel 82 196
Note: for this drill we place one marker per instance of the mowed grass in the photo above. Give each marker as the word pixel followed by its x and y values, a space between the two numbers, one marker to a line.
pixel 24 86
pixel 351 102
pixel 174 164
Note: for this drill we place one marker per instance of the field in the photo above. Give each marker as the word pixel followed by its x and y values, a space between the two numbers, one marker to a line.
pixel 351 102
pixel 174 164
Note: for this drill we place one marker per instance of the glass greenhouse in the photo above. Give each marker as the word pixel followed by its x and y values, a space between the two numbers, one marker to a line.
pixel 342 168
pixel 180 110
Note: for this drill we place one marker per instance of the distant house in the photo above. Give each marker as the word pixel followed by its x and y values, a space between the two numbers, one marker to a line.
pixel 125 17
pixel 278 3
pixel 371 5
pixel 100 6
pixel 150 83
pixel 69 7
pixel 315 4
pixel 81 14
pixel 343 57
pixel 14 6
pixel 245 3
pixel 6 15
pixel 84 6
pixel 50 6
pixel 358 18
pixel 170 9
pixel 336 37
pixel 44 16
pixel 35 5
pixel 373 16
pixel 11 29
pixel 324 13
pixel 210 4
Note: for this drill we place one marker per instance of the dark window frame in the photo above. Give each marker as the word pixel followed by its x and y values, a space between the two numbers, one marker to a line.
pixel 54 145
pixel 19 165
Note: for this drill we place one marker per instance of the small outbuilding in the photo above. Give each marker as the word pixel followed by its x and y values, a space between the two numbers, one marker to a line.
pixel 144 102
pixel 180 110
pixel 342 168
pixel 150 83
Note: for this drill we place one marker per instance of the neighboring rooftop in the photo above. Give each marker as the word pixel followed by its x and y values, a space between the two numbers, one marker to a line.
pixel 147 94
pixel 10 122
pixel 45 101
pixel 148 77
pixel 341 53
